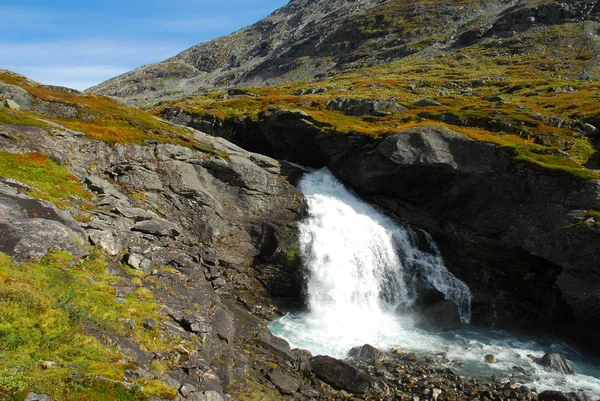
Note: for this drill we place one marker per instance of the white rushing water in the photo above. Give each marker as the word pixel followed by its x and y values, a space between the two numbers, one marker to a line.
pixel 361 265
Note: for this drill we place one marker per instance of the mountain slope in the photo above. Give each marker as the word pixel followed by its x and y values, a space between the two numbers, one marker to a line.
pixel 315 39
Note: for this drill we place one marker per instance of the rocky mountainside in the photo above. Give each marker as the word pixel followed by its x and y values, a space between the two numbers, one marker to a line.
pixel 316 39
pixel 502 162
pixel 143 253
pixel 142 261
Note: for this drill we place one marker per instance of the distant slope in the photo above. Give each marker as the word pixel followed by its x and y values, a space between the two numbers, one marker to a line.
pixel 319 38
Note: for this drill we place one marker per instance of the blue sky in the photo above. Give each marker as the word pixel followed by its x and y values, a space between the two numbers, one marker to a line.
pixel 82 43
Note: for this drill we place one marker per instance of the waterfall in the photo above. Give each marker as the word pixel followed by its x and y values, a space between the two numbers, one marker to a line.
pixel 361 264
pixel 359 259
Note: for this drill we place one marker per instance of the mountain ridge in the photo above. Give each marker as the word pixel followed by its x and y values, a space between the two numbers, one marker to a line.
pixel 315 39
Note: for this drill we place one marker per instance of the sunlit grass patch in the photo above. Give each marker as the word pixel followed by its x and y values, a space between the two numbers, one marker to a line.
pixel 47 179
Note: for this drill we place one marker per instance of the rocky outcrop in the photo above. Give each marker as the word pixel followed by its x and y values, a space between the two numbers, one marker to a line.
pixel 513 231
pixel 362 107
pixel 31 227
pixel 213 224
pixel 19 95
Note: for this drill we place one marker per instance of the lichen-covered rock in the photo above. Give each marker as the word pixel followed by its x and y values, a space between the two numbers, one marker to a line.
pixel 17 94
pixel 31 227
pixel 363 107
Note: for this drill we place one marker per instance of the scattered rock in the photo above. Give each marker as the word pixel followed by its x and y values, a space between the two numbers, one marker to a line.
pixel 427 103
pixel 490 358
pixel 237 92
pixel 157 228
pixel 366 353
pixel 362 107
pixel 135 213
pixel 103 187
pixel 10 104
pixel 48 365
pixel 37 397
pixel 285 383
pixel 150 323
pixel 340 375
pixel 309 391
pixel 130 322
pixel 591 130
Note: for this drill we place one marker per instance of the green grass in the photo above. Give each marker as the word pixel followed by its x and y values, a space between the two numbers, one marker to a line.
pixel 47 312
pixel 98 117
pixel 16 117
pixel 47 179
pixel 530 79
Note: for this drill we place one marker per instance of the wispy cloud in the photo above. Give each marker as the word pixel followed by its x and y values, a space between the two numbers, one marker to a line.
pixel 80 64
pixel 80 44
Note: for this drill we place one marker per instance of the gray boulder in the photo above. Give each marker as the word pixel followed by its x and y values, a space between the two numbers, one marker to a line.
pixel 364 107
pixel 106 240
pixel 210 395
pixel 285 383
pixel 37 397
pixel 366 353
pixel 17 94
pixel 556 362
pixel 553 395
pixel 340 375
pixel 442 316
pixel 427 103
pixel 31 227
pixel 10 104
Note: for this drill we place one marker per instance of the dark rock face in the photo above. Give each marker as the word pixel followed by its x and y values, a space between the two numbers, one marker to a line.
pixel 442 316
pixel 552 395
pixel 511 231
pixel 340 375
pixel 434 311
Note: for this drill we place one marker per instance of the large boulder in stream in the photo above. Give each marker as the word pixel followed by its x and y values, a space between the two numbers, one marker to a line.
pixel 556 362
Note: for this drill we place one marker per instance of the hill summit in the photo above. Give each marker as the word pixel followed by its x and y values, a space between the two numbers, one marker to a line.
pixel 317 39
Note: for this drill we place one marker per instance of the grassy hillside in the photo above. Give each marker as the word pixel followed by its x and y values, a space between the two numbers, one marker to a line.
pixel 531 93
